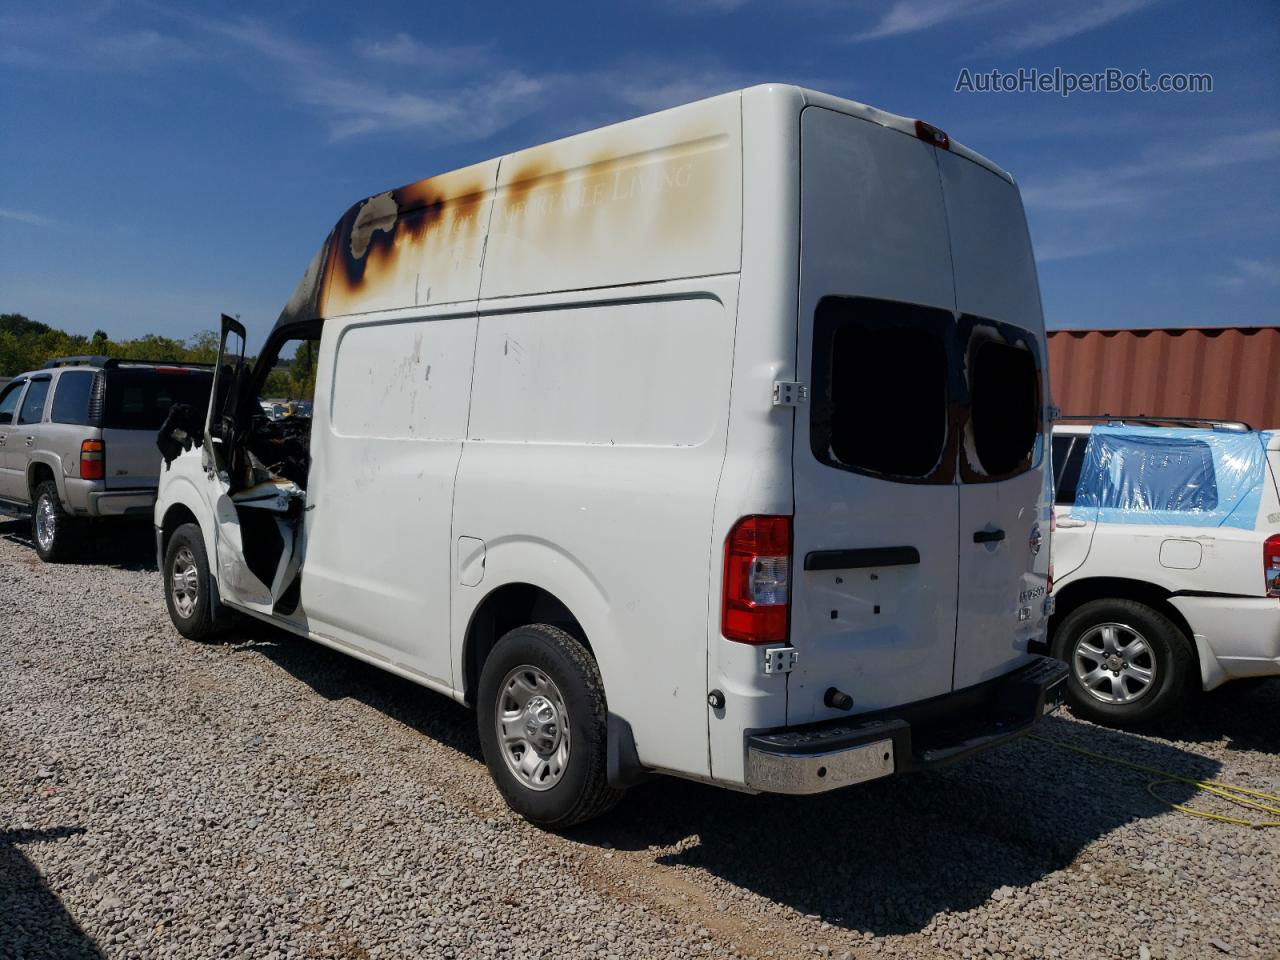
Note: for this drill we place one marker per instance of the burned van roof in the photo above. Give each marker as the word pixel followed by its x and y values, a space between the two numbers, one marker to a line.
pixel 637 201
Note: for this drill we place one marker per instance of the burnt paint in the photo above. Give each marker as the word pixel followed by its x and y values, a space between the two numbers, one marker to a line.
pixel 338 275
pixel 420 209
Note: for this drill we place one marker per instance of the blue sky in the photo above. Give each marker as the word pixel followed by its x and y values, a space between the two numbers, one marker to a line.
pixel 163 163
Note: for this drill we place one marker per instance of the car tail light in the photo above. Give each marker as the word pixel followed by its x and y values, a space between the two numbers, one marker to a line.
pixel 931 134
pixel 92 460
pixel 1271 565
pixel 757 580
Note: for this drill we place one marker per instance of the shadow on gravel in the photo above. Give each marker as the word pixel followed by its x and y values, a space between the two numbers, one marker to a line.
pixel 1244 712
pixel 336 676
pixel 125 544
pixel 883 857
pixel 33 920
pixel 886 857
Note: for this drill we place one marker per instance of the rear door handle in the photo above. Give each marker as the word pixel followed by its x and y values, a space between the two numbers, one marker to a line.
pixel 30 441
pixel 988 536
pixel 1067 523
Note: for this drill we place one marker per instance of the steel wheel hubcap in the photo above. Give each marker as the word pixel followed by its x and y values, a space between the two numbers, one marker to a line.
pixel 1114 662
pixel 46 523
pixel 533 728
pixel 185 583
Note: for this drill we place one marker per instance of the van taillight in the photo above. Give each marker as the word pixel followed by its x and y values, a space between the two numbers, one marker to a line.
pixel 931 134
pixel 92 460
pixel 757 580
pixel 1271 565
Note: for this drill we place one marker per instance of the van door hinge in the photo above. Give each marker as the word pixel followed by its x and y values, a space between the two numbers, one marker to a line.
pixel 779 659
pixel 790 393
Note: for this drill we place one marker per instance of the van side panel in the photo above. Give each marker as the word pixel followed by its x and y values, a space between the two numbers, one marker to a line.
pixel 596 437
pixel 651 199
pixel 756 476
pixel 389 417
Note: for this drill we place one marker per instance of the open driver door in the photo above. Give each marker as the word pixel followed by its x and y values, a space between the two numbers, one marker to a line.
pixel 255 519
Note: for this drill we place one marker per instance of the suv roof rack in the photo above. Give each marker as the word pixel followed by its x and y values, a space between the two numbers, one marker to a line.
pixel 106 362
pixel 1229 426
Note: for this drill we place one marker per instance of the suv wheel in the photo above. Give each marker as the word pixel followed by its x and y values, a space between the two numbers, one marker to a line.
pixel 188 584
pixel 1129 662
pixel 542 719
pixel 52 528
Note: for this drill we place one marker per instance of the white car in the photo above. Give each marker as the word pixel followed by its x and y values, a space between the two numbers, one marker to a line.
pixel 1166 561
pixel 711 443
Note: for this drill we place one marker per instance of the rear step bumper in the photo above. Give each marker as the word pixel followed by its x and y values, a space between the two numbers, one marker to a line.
pixel 836 753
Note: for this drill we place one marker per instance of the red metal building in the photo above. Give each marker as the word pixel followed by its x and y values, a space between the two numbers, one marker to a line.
pixel 1224 373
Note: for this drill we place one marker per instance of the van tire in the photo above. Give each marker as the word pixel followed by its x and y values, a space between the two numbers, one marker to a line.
pixel 186 549
pixel 582 790
pixel 62 531
pixel 1171 650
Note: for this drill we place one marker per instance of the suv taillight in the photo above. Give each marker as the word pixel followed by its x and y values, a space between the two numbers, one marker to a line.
pixel 1271 565
pixel 757 580
pixel 92 460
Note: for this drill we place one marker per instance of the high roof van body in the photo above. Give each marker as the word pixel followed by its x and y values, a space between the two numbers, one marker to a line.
pixel 711 443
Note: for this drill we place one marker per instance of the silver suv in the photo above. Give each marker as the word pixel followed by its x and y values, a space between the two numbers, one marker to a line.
pixel 78 441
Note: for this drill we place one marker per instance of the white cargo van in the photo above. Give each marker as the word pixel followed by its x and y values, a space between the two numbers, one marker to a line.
pixel 711 443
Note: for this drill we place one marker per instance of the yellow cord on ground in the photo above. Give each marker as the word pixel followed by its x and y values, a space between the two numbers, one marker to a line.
pixel 1254 799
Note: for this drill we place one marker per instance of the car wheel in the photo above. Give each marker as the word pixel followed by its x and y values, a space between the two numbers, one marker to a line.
pixel 188 584
pixel 54 531
pixel 1129 663
pixel 542 721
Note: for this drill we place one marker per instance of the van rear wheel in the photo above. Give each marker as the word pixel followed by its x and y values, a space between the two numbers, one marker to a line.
pixel 1130 664
pixel 542 722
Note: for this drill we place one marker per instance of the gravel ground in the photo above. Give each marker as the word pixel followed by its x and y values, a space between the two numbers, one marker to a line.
pixel 265 797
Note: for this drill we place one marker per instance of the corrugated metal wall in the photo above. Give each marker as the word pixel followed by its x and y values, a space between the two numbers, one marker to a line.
pixel 1225 374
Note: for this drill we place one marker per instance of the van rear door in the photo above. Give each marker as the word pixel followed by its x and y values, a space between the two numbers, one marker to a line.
pixel 1004 520
pixel 876 503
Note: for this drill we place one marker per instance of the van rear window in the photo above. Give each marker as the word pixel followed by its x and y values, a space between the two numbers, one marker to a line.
pixel 1004 395
pixel 881 378
pixel 139 399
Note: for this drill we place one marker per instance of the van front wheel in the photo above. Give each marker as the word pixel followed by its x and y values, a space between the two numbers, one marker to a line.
pixel 188 584
pixel 542 721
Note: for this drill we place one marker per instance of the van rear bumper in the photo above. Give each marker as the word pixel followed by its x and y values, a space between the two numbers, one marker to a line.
pixel 826 756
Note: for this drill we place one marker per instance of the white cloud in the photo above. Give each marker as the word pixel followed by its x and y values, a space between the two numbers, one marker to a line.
pixel 1246 273
pixel 1040 24
pixel 1077 19
pixel 30 219
pixel 911 16
pixel 356 102
pixel 1132 184
pixel 401 49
